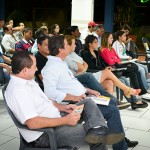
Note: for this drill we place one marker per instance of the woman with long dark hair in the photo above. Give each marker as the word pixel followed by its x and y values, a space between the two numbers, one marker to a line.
pixel 54 30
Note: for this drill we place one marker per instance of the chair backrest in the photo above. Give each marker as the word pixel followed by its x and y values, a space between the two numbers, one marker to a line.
pixel 40 83
pixel 3 49
pixel 134 48
pixel 81 53
pixel 146 44
pixel 3 79
pixel 17 123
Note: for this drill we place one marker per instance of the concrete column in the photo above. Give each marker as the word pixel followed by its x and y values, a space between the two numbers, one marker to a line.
pixel 109 15
pixel 2 9
pixel 82 13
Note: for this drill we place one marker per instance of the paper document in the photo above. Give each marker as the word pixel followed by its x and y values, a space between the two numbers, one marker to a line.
pixel 79 109
pixel 102 100
pixel 128 61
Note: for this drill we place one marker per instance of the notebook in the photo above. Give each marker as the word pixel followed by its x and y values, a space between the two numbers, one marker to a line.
pixel 101 100
pixel 128 61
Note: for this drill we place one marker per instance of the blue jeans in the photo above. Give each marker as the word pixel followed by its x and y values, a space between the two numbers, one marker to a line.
pixel 111 112
pixel 143 72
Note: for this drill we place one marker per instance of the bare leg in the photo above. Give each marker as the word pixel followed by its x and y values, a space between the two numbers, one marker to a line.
pixel 107 74
pixel 108 85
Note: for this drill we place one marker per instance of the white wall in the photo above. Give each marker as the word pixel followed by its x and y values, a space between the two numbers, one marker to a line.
pixel 82 13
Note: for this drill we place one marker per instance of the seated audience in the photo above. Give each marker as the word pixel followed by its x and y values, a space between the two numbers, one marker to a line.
pixel 92 58
pixel 78 66
pixel 120 49
pixel 60 84
pixel 36 110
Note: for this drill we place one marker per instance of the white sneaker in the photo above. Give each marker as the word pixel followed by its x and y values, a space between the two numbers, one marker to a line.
pixel 145 96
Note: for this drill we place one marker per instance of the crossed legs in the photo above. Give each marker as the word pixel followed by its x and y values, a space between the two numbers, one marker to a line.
pixel 108 75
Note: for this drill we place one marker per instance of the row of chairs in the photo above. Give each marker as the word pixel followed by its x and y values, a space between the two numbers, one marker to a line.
pixel 145 53
pixel 50 131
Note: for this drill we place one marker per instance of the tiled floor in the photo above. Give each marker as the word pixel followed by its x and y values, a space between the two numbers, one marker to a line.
pixel 136 124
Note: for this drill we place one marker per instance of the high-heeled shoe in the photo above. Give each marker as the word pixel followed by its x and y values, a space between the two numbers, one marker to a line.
pixel 128 93
pixel 142 105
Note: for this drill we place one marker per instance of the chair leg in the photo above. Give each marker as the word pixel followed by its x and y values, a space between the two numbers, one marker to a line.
pixel 117 93
pixel 22 146
pixel 121 95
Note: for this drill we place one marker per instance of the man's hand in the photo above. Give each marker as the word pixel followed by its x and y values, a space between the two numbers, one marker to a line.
pixel 79 98
pixel 69 108
pixel 93 92
pixel 72 119
pixel 74 98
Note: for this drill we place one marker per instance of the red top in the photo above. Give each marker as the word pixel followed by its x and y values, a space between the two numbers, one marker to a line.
pixel 110 56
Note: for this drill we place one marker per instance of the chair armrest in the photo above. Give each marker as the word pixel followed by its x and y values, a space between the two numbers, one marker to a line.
pixel 92 70
pixel 43 130
pixel 119 69
pixel 143 53
pixel 118 72
pixel 49 132
pixel 69 101
pixel 39 129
